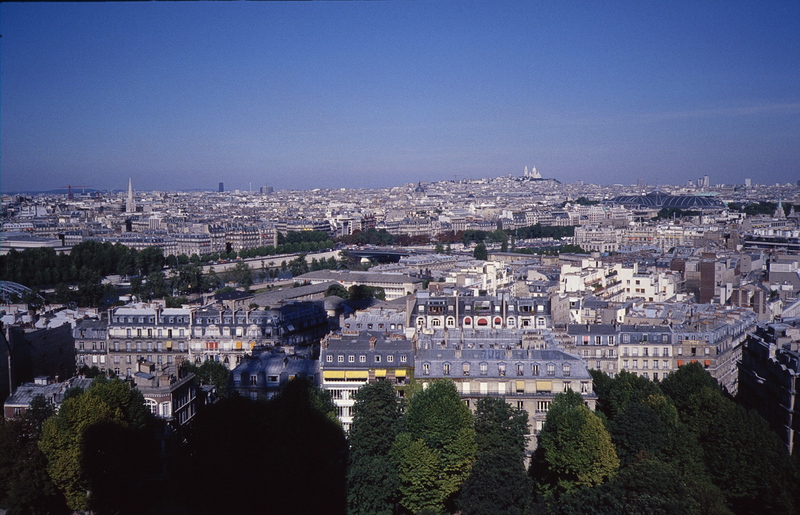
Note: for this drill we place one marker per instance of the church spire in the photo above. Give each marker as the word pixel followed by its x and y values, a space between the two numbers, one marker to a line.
pixel 130 205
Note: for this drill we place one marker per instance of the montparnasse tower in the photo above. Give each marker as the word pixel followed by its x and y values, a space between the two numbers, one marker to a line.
pixel 130 205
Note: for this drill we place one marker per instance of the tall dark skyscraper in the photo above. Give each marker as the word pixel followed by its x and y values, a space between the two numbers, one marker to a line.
pixel 221 187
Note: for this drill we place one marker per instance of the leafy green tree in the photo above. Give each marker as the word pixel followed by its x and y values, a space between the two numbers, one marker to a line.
pixel 644 488
pixel 614 394
pixel 26 486
pixel 150 260
pixel 372 480
pixel 155 286
pixel 360 292
pixel 298 266
pixel 480 252
pixel 436 449
pixel 686 381
pixel 212 373
pixel 439 249
pixel 749 464
pixel 175 302
pixel 337 290
pixel 288 434
pixel 498 482
pixel 241 275
pixel 64 437
pixel 575 449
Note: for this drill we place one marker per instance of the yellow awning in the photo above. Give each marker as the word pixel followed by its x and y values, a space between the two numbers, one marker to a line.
pixel 400 372
pixel 169 344
pixel 333 374
pixel 521 386
pixel 252 344
pixel 238 345
pixel 546 386
pixel 357 374
pixel 381 372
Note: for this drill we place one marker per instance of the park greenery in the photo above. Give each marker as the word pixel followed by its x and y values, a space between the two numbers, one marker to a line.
pixel 77 277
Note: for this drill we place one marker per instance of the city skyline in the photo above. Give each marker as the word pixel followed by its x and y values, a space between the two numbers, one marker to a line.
pixel 327 95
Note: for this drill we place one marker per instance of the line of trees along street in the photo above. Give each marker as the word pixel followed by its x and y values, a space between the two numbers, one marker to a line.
pixel 679 446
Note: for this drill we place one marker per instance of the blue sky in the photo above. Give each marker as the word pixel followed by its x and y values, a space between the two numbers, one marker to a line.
pixel 370 94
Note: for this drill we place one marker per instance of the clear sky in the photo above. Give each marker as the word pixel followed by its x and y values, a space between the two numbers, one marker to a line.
pixel 372 94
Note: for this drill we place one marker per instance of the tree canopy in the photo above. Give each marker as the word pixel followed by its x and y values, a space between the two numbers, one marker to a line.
pixel 435 450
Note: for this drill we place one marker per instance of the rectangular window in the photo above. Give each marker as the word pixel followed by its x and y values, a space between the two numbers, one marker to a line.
pixel 426 369
pixel 253 379
pixel 329 358
pixel 351 359
pixel 551 369
pixel 446 369
pixel 390 358
pixel 403 358
pixel 362 359
pixel 465 369
pixel 501 369
pixel 535 369
pixel 378 358
pixel 611 340
pixel 484 369
pixel 340 358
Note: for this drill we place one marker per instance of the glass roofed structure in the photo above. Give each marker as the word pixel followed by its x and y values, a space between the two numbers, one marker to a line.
pixel 658 200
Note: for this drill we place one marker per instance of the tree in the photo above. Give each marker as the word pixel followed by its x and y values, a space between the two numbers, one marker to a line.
pixel 26 486
pixel 241 275
pixel 213 373
pixel 687 380
pixel 575 449
pixel 298 266
pixel 480 252
pixel 372 480
pixel 498 482
pixel 439 249
pixel 361 292
pixel 435 451
pixel 614 394
pixel 646 487
pixel 337 290
pixel 749 464
pixel 64 440
pixel 288 435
